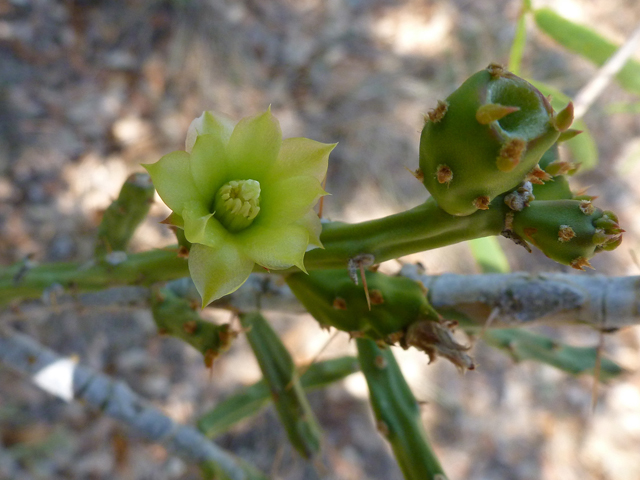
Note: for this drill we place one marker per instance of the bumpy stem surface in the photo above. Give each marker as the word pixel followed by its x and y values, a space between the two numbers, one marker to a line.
pixel 421 228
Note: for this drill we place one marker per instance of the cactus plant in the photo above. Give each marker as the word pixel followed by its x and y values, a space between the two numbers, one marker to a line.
pixel 242 201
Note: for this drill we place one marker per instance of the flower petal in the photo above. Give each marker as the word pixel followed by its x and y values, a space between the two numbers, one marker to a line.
pixel 286 201
pixel 218 271
pixel 171 176
pixel 201 227
pixel 302 156
pixel 254 146
pixel 208 165
pixel 275 248
pixel 209 123
pixel 311 222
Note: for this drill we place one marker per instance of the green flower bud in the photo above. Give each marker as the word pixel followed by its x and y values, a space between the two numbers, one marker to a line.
pixel 568 231
pixel 485 138
pixel 243 197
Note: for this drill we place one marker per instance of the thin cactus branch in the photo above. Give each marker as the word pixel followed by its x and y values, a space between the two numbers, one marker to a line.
pixel 63 378
pixel 521 299
pixel 421 228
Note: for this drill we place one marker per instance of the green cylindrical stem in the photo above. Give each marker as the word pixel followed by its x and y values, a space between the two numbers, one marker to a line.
pixel 280 373
pixel 176 316
pixel 252 399
pixel 123 216
pixel 397 413
pixel 421 228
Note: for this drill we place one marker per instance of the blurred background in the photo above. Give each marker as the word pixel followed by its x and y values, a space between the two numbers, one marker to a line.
pixel 91 89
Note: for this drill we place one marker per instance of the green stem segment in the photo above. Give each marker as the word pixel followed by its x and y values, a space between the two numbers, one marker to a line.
pixel 287 393
pixel 397 413
pixel 422 228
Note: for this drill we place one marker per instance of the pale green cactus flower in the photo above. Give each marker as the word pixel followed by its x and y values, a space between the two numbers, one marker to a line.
pixel 244 196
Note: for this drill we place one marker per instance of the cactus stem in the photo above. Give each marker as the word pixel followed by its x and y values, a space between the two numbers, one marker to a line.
pixel 565 233
pixel 581 263
pixel 417 173
pixel 568 135
pixel 339 303
pixel 493 111
pixel 444 174
pixel 538 176
pixel 437 114
pixel 510 154
pixel 564 118
pixel 496 70
pixel 587 207
pixel 482 202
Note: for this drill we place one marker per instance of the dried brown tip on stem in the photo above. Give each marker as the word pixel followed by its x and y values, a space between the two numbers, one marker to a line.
pixel 444 174
pixel 496 70
pixel 340 303
pixel 183 252
pixel 565 233
pixel 493 111
pixel 581 263
pixel 437 114
pixel 436 340
pixel 587 207
pixel 538 176
pixel 510 154
pixel 482 203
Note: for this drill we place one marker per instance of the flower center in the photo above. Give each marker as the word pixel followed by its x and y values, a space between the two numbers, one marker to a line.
pixel 237 203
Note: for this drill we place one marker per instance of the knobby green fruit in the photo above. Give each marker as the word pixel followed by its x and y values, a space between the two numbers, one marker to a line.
pixel 243 196
pixel 175 315
pixel 568 231
pixel 400 312
pixel 485 138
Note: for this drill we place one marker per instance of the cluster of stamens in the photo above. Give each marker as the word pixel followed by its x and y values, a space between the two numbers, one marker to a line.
pixel 237 203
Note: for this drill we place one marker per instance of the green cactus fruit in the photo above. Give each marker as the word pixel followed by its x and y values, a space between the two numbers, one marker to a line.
pixel 400 312
pixel 568 231
pixel 335 300
pixel 556 186
pixel 485 138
